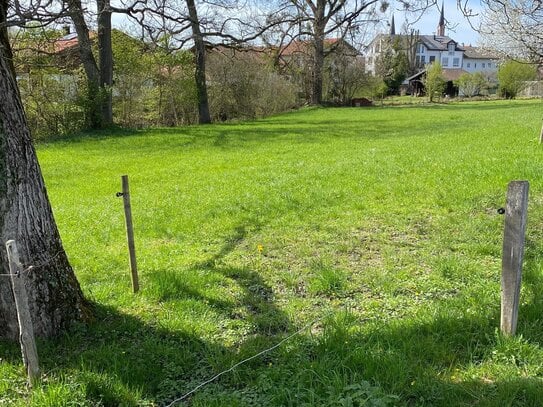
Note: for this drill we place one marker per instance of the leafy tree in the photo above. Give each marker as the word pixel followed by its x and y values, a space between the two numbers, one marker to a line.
pixel 131 78
pixel 392 65
pixel 377 88
pixel 471 84
pixel 434 82
pixel 174 96
pixel 344 77
pixel 512 76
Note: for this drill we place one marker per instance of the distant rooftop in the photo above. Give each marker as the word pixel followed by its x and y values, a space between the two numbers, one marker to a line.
pixel 436 42
pixel 478 53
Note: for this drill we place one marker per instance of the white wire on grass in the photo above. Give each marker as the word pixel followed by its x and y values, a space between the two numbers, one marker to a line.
pixel 310 324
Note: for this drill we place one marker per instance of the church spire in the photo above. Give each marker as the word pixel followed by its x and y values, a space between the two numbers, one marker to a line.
pixel 441 25
pixel 392 26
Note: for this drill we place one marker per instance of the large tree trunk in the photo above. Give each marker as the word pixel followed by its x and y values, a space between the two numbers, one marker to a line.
pixel 319 24
pixel 200 73
pixel 99 80
pixel 105 53
pixel 94 112
pixel 54 295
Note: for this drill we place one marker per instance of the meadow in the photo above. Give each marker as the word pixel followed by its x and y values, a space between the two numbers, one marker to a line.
pixel 373 231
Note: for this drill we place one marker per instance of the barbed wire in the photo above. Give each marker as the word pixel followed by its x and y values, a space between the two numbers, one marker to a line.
pixel 282 341
pixel 33 267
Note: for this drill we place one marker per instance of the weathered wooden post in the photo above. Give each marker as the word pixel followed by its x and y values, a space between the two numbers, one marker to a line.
pixel 130 233
pixel 26 330
pixel 513 253
pixel 541 134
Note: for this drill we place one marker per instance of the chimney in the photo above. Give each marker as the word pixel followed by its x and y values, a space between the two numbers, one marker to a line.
pixel 66 29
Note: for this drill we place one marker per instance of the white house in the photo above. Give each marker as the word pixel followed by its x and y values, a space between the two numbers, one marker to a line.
pixel 475 60
pixel 455 58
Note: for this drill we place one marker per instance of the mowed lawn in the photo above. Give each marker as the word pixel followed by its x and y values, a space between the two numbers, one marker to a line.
pixel 375 229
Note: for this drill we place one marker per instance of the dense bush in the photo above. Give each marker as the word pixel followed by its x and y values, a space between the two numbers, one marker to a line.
pixel 244 85
pixel 512 77
pixel 434 81
pixel 471 84
pixel 154 84
pixel 344 77
pixel 54 102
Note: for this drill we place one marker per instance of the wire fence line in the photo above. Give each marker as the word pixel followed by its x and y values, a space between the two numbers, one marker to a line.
pixel 215 377
pixel 33 267
pixel 278 344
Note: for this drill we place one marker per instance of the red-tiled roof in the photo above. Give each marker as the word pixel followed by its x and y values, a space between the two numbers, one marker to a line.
pixel 69 41
pixel 305 47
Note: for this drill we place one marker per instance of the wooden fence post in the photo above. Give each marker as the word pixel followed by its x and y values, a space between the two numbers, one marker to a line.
pixel 130 233
pixel 513 253
pixel 26 330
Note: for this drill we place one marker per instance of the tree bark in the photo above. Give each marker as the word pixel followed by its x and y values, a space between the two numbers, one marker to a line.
pixel 105 53
pixel 55 298
pixel 319 25
pixel 200 72
pixel 94 113
pixel 99 77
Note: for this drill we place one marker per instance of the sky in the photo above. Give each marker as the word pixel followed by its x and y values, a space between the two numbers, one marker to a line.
pixel 458 27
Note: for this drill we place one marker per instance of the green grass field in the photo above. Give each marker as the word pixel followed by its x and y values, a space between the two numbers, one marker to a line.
pixel 381 222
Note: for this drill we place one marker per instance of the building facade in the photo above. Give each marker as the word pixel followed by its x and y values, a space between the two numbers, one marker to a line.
pixel 426 49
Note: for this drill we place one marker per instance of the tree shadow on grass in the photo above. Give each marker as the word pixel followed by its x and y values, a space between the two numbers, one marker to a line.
pixel 120 355
pixel 419 363
pixel 530 322
pixel 122 360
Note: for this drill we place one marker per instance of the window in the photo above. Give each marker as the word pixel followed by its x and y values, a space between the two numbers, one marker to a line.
pixel 422 59
pixel 417 60
pixel 445 61
pixel 475 64
pixel 484 65
pixel 468 64
pixel 456 62
pixel 432 58
pixel 451 48
pixel 490 64
pixel 421 48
